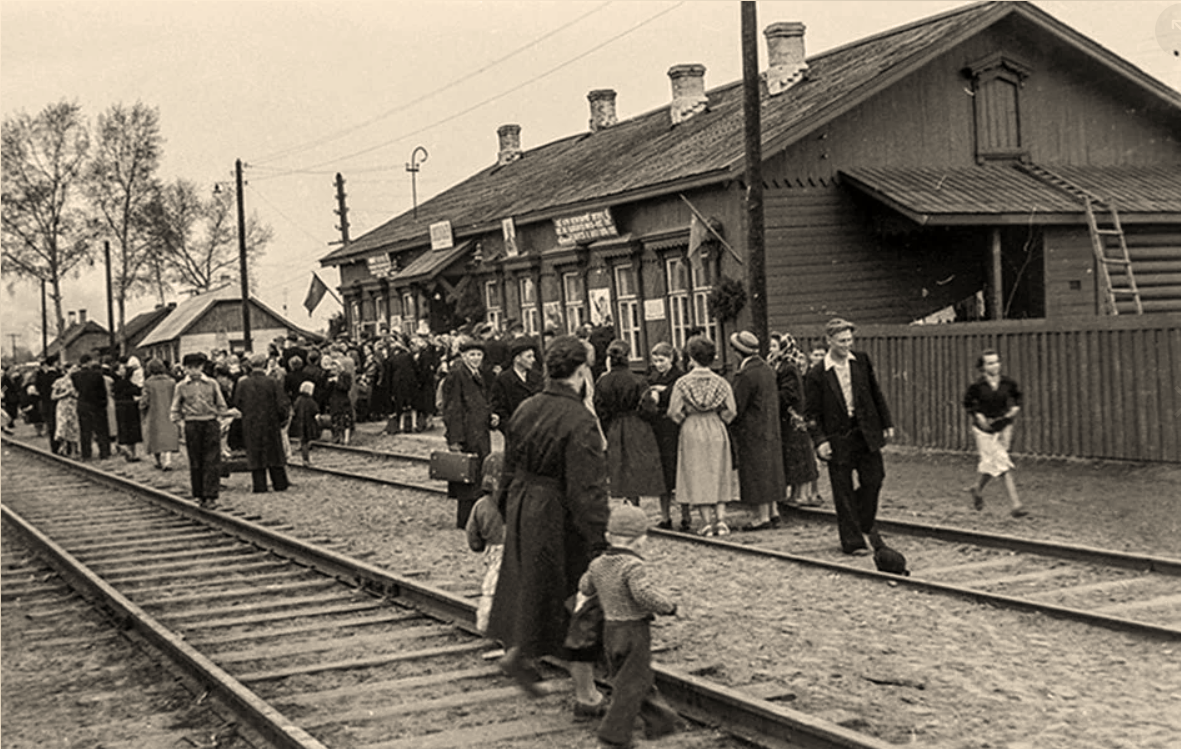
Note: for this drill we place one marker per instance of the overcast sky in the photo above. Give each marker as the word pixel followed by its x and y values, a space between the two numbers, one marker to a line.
pixel 302 90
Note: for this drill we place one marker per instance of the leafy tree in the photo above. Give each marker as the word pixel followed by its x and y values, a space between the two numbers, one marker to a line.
pixel 197 240
pixel 121 183
pixel 45 231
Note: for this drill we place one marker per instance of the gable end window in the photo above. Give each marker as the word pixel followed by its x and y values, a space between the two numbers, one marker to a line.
pixel 997 81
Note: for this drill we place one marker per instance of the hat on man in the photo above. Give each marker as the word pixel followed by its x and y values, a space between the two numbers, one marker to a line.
pixel 467 344
pixel 745 343
pixel 483 329
pixel 627 520
pixel 838 325
pixel 194 360
pixel 519 346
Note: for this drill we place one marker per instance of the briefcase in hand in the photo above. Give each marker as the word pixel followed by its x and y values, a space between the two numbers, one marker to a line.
pixel 463 468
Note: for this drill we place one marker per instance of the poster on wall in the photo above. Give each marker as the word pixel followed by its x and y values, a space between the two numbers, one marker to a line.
pixel 441 238
pixel 600 300
pixel 509 230
pixel 553 316
pixel 653 309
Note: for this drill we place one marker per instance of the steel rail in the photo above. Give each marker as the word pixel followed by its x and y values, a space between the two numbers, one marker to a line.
pixel 756 720
pixel 369 451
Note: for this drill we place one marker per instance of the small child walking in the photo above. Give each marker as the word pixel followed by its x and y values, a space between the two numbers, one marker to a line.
pixel 304 425
pixel 629 600
pixel 485 533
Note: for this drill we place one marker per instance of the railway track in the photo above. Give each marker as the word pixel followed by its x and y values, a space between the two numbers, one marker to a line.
pixel 1133 592
pixel 314 649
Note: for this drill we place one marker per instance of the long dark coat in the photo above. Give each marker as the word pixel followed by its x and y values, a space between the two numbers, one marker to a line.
pixel 467 416
pixel 127 425
pixel 633 457
pixel 667 431
pixel 264 408
pixel 509 391
pixel 799 457
pixel 403 381
pixel 554 500
pixel 755 434
pixel 426 366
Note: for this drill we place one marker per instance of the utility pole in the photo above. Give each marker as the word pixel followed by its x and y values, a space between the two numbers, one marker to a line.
pixel 242 258
pixel 755 234
pixel 110 304
pixel 342 210
pixel 14 336
pixel 44 321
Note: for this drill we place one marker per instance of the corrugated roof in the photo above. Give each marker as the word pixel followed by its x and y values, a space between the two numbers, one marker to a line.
pixel 929 194
pixel 647 152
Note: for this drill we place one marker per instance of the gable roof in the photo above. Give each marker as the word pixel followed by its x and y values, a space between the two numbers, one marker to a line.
pixel 144 322
pixel 194 308
pixel 646 155
pixel 71 334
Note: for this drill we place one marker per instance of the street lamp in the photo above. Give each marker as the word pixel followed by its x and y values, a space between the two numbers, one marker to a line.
pixel 412 167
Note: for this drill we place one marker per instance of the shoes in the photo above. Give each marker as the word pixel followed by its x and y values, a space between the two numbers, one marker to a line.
pixel 707 531
pixel 816 501
pixel 722 529
pixel 768 525
pixel 665 525
pixel 686 526
pixel 208 503
pixel 1019 512
pixel 775 521
pixel 526 676
pixel 859 552
pixel 583 711
pixel 977 499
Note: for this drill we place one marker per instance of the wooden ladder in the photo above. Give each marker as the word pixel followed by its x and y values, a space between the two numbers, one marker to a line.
pixel 1105 260
pixel 1098 239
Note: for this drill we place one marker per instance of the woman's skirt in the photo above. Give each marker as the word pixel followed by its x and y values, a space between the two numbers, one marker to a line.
pixel 993 448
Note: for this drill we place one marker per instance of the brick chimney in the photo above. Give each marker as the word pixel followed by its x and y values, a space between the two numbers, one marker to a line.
pixel 81 317
pixel 510 144
pixel 602 109
pixel 71 318
pixel 785 56
pixel 688 83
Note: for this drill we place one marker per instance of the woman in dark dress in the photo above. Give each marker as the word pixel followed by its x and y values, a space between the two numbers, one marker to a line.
pixel 128 431
pixel 632 452
pixel 799 463
pixel 340 406
pixel 662 375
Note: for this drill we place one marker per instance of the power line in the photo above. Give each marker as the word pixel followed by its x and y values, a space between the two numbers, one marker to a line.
pixel 485 102
pixel 401 108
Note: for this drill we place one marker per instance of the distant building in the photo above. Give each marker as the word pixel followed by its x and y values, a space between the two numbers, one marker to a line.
pixel 132 334
pixel 936 171
pixel 81 336
pixel 213 320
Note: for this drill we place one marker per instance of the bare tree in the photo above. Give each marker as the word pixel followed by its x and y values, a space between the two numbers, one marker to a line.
pixel 121 182
pixel 198 239
pixel 45 229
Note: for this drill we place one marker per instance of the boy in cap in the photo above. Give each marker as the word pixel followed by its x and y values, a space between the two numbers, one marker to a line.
pixel 198 404
pixel 629 600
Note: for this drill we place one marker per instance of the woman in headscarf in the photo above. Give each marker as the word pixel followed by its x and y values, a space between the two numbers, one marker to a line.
pixel 340 406
pixel 799 462
pixel 703 404
pixel 632 452
pixel 554 501
pixel 128 432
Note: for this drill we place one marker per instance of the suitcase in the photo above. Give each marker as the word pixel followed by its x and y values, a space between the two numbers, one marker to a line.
pixel 462 468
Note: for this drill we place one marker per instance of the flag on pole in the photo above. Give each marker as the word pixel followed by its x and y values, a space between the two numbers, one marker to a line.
pixel 316 292
pixel 697 235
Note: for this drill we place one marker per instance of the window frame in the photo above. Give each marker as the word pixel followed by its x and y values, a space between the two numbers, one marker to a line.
pixel 627 306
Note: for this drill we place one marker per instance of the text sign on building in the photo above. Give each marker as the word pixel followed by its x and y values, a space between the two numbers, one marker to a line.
pixel 381 266
pixel 653 309
pixel 585 227
pixel 441 236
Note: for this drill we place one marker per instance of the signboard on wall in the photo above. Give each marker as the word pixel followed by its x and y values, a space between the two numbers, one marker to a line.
pixel 509 229
pixel 653 309
pixel 380 266
pixel 441 236
pixel 600 300
pixel 553 315
pixel 585 227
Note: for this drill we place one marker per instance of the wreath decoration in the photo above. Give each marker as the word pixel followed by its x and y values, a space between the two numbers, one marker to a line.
pixel 727 299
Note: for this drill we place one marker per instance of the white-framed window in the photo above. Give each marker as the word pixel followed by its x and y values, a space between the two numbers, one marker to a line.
pixel 703 284
pixel 680 314
pixel 530 316
pixel 629 308
pixel 493 304
pixel 574 286
pixel 409 313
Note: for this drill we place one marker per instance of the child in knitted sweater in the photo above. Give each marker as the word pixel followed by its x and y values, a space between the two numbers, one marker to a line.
pixel 485 533
pixel 629 600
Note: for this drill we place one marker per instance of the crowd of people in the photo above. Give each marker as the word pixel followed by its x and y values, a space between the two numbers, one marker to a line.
pixel 580 426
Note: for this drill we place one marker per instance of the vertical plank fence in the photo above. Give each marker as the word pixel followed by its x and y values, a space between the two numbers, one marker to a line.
pixel 1104 388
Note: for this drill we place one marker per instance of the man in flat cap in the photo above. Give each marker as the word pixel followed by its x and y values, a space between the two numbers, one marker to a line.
pixel 468 417
pixel 850 423
pixel 520 380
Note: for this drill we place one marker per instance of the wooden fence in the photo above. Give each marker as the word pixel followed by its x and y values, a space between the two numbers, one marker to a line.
pixel 1107 388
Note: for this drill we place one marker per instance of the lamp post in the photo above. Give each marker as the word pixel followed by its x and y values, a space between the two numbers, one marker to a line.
pixel 412 167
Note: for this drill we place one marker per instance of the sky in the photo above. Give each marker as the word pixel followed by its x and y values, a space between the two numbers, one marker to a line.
pixel 300 91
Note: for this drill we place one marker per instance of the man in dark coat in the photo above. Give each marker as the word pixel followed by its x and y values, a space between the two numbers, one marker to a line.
pixel 554 500
pixel 92 408
pixel 849 423
pixel 754 432
pixel 264 408
pixel 521 380
pixel 468 418
pixel 47 374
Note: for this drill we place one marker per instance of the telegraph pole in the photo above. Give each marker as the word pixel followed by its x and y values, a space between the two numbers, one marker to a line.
pixel 14 336
pixel 755 234
pixel 242 258
pixel 44 321
pixel 110 304
pixel 342 210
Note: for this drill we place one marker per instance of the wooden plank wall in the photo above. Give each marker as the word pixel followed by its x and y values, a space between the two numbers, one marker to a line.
pixel 1105 388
